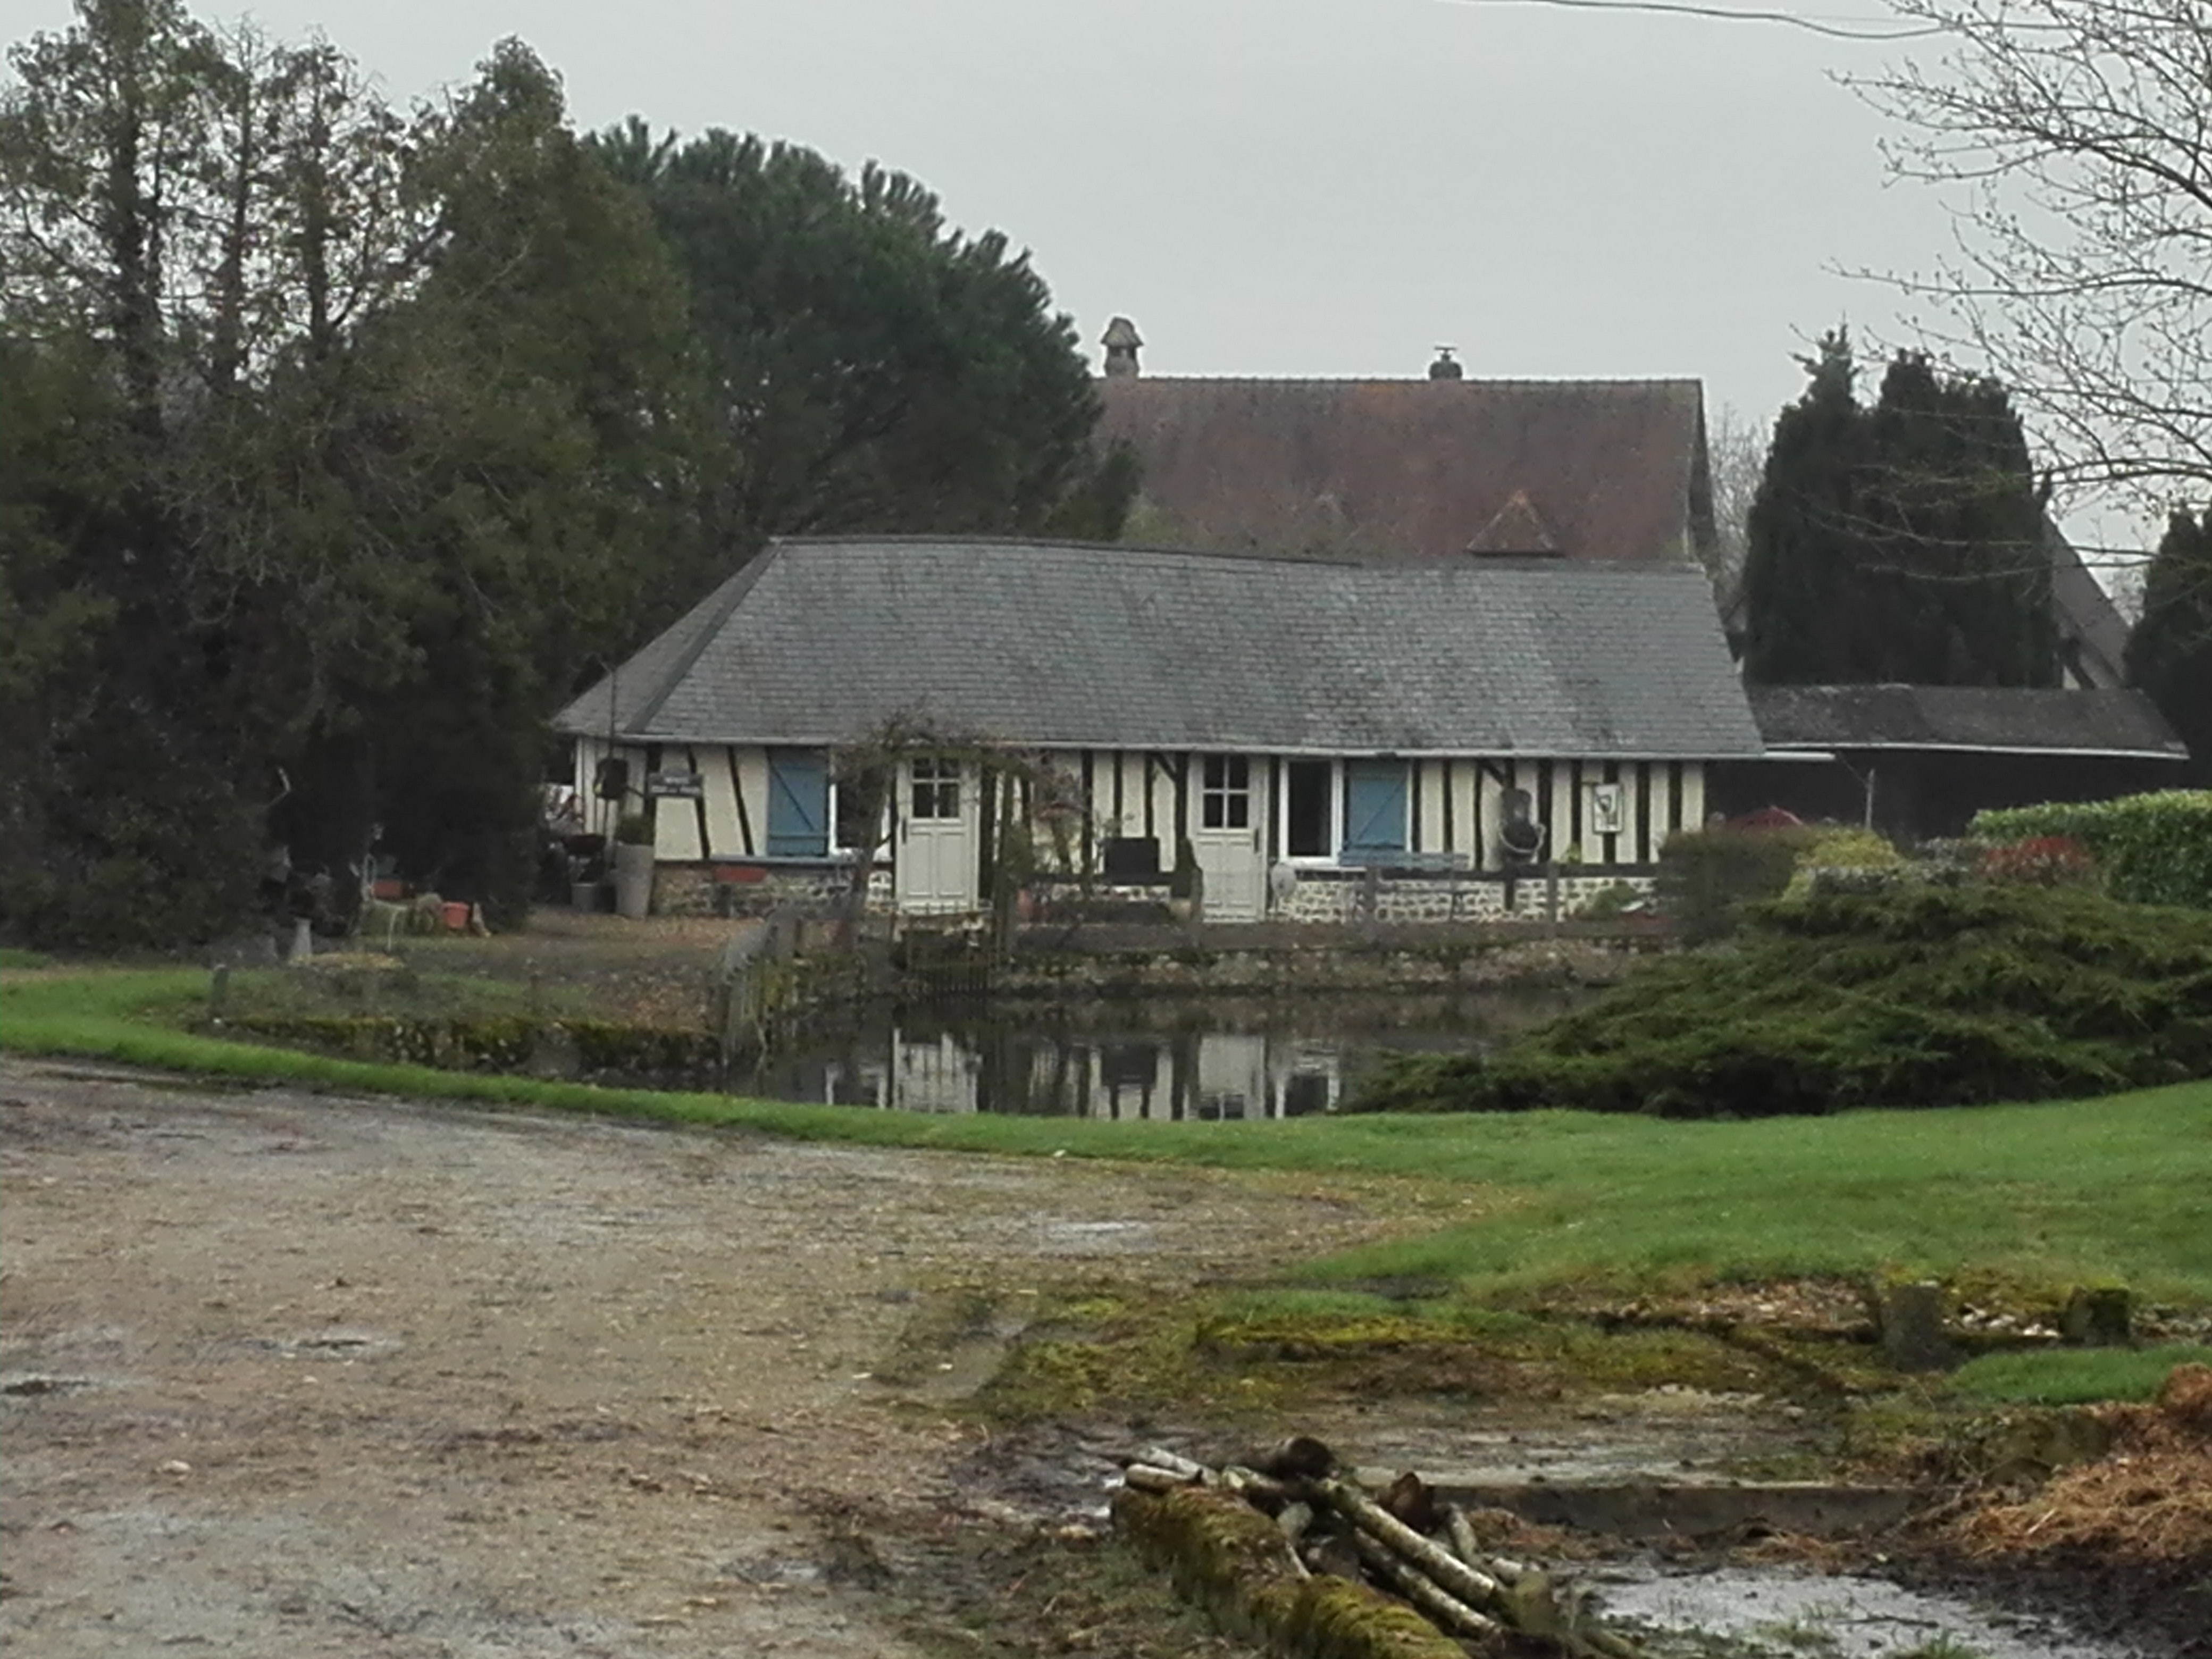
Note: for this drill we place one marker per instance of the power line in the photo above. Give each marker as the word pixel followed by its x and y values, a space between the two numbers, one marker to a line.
pixel 1835 28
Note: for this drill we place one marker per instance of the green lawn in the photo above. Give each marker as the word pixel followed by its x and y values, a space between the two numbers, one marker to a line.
pixel 2073 1376
pixel 2109 1190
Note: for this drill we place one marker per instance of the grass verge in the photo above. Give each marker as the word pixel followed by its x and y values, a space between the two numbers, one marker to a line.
pixel 2075 1376
pixel 2060 1192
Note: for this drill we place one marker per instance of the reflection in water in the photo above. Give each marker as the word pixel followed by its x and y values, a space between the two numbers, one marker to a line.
pixel 1206 1059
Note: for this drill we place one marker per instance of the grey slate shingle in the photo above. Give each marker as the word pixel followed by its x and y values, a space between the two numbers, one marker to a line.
pixel 1062 644
pixel 2100 721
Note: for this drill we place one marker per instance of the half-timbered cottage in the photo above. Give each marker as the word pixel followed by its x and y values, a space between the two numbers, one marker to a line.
pixel 1320 738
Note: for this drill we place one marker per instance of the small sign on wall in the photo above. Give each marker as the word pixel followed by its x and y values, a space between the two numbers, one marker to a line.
pixel 1605 817
pixel 680 786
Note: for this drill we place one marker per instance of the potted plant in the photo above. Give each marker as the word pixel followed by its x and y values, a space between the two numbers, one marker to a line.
pixel 634 866
pixel 1186 885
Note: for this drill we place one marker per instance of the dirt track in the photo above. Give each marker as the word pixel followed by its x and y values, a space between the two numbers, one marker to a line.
pixel 293 1375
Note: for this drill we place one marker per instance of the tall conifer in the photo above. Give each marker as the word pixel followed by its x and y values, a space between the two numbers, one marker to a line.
pixel 2169 652
pixel 1899 542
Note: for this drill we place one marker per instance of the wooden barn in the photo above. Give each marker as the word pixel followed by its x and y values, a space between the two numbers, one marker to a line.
pixel 1918 761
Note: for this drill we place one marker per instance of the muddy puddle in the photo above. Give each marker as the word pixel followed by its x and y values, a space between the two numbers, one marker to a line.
pixel 1777 1612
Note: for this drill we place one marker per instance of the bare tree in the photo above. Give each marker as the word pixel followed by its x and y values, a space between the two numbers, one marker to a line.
pixel 1735 448
pixel 2076 138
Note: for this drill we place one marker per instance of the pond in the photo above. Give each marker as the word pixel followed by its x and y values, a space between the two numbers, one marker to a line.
pixel 1781 1613
pixel 1209 1058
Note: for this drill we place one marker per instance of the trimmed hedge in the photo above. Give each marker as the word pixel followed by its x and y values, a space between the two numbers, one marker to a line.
pixel 1928 996
pixel 1709 878
pixel 2153 849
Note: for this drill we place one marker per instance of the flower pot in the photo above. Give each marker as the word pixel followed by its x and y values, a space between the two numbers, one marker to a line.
pixel 590 896
pixel 633 881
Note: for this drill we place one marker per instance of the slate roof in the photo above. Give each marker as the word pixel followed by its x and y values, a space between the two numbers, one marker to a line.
pixel 1068 644
pixel 1963 717
pixel 2093 633
pixel 1384 470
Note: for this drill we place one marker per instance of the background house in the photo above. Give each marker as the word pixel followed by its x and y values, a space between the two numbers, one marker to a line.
pixel 1418 470
pixel 1327 738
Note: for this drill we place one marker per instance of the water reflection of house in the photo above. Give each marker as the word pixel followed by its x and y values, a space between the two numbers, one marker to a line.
pixel 1209 1076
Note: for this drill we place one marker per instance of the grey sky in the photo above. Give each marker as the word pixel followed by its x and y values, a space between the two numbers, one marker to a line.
pixel 1290 186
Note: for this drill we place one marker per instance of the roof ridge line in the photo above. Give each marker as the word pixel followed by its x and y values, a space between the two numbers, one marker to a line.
pixel 1343 561
pixel 1469 383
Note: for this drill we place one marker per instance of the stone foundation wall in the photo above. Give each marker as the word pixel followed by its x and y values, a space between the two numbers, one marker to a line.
pixel 1353 895
pixel 696 890
pixel 1321 895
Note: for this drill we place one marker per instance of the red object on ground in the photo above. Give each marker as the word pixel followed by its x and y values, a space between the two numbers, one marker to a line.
pixel 1767 817
pixel 389 889
pixel 740 874
pixel 457 916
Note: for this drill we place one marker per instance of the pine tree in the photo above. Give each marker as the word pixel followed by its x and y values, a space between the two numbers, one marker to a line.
pixel 2169 652
pixel 1798 569
pixel 1901 542
pixel 869 366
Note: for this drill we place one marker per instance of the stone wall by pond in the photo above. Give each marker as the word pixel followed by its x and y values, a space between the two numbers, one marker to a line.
pixel 1325 964
pixel 1351 896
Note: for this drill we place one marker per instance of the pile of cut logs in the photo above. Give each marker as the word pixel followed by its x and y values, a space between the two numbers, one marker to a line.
pixel 1401 1539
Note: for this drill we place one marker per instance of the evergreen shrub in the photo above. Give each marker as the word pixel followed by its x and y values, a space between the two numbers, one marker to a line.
pixel 1926 996
pixel 2152 849
pixel 1838 859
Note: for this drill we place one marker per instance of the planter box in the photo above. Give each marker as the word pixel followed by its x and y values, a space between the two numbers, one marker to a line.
pixel 633 881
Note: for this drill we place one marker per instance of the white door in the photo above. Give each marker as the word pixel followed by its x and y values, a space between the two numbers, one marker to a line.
pixel 936 859
pixel 932 1074
pixel 1227 840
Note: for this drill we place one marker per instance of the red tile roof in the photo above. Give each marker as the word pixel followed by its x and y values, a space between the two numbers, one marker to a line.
pixel 1391 470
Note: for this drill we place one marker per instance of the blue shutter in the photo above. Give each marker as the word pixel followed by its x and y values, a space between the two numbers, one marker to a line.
pixel 1375 795
pixel 798 804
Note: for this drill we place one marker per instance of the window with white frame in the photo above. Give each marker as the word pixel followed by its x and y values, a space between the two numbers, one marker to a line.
pixel 811 815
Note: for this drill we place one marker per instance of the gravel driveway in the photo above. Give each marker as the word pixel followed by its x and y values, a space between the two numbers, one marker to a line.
pixel 284 1374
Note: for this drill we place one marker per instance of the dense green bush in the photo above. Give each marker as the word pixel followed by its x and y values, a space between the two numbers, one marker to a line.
pixel 2153 849
pixel 1707 876
pixel 1842 857
pixel 1927 996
